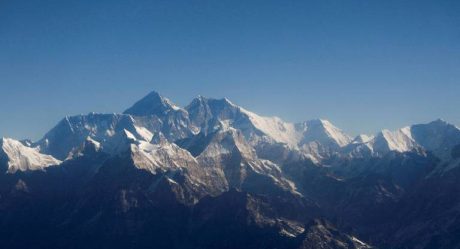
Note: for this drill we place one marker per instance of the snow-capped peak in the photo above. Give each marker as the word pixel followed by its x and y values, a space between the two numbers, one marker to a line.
pixel 400 140
pixel 204 111
pixel 212 106
pixel 362 138
pixel 21 157
pixel 106 129
pixel 324 132
pixel 154 114
pixel 437 136
pixel 275 128
pixel 152 104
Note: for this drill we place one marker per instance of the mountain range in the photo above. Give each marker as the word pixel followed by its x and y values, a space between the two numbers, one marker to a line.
pixel 215 175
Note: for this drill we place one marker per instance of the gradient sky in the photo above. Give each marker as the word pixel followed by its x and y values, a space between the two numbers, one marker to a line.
pixel 363 65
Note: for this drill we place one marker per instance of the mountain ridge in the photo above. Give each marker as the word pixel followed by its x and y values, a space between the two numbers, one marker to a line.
pixel 315 137
pixel 298 185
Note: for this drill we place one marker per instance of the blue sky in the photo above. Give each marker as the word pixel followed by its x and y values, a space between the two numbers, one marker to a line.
pixel 364 65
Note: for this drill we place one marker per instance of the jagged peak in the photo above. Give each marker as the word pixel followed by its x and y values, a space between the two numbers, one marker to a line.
pixel 315 129
pixel 318 121
pixel 400 140
pixel 441 123
pixel 362 138
pixel 152 104
pixel 437 136
pixel 201 100
pixel 319 124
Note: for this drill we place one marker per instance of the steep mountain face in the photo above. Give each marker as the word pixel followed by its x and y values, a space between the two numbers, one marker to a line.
pixel 152 105
pixel 209 113
pixel 105 129
pixel 159 114
pixel 18 156
pixel 324 133
pixel 439 137
pixel 215 175
pixel 400 140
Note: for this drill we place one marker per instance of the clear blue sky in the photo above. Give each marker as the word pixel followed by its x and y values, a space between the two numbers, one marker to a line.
pixel 364 65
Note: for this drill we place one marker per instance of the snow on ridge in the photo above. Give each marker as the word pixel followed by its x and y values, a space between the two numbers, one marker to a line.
pixel 23 158
pixel 323 132
pixel 362 138
pixel 335 133
pixel 275 127
pixel 152 104
pixel 110 131
pixel 399 140
pixel 437 136
pixel 171 104
pixel 164 156
pixel 292 134
pixel 144 133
